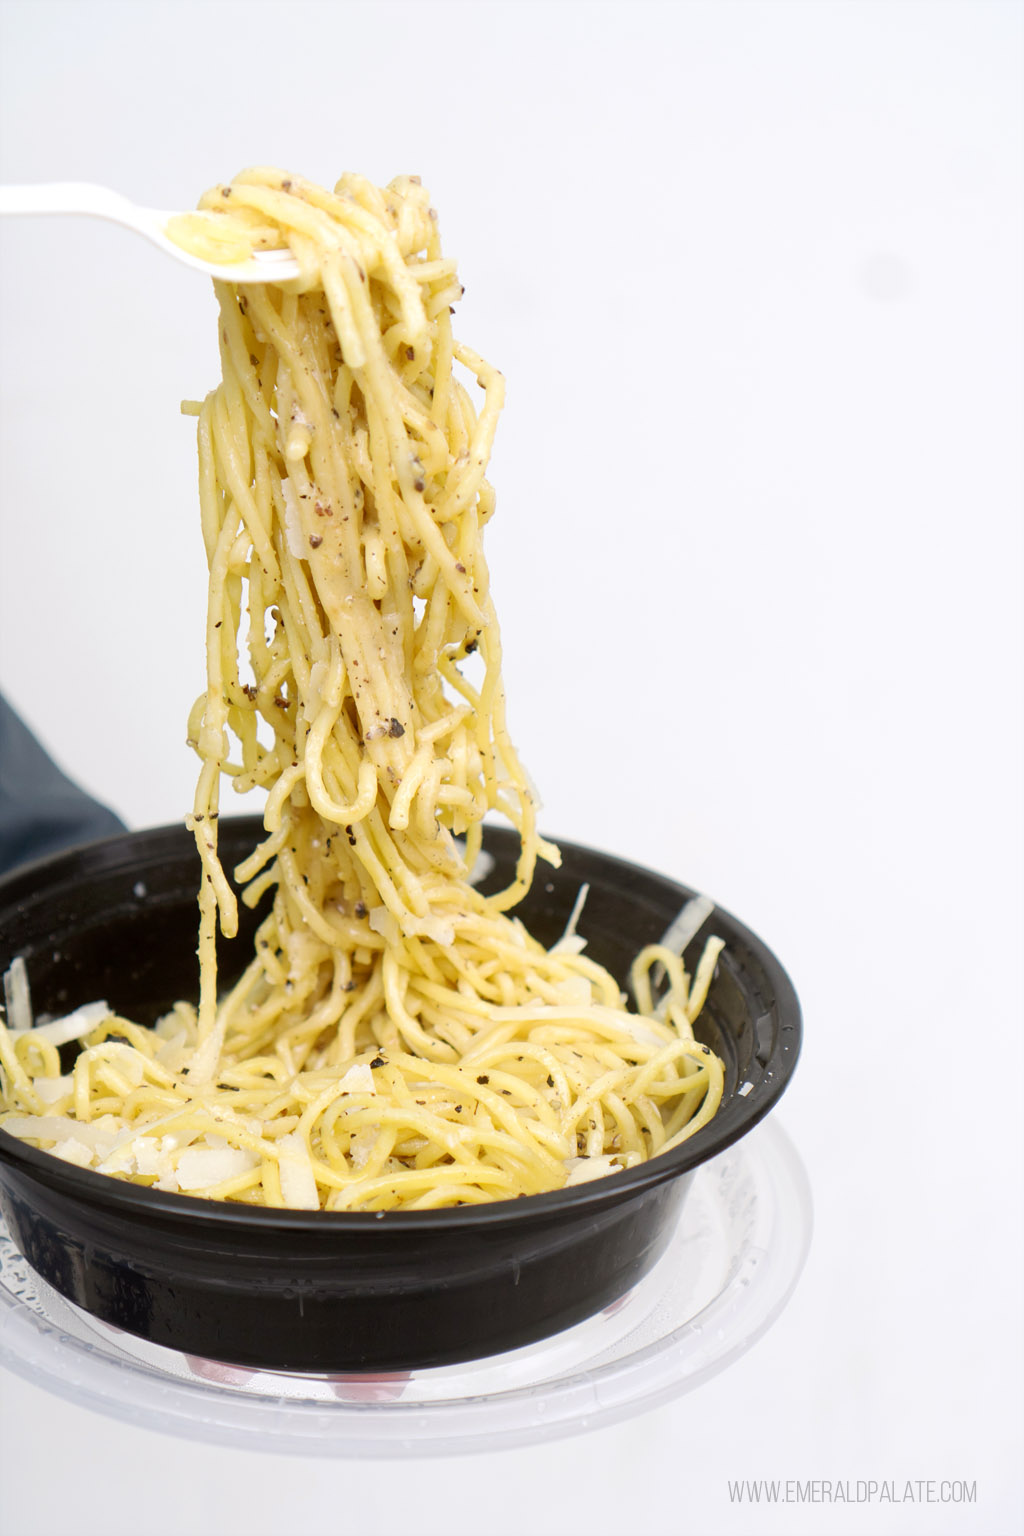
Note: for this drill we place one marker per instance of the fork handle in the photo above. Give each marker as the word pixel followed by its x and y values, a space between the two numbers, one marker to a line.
pixel 66 197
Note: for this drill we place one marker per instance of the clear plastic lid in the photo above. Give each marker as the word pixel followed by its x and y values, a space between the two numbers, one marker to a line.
pixel 730 1267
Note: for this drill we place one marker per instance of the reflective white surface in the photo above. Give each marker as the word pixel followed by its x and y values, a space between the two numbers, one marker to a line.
pixel 752 271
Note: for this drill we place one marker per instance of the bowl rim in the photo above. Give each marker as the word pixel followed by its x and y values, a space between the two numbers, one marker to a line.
pixel 164 1207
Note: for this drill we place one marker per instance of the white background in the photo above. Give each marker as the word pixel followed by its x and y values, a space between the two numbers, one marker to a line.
pixel 753 273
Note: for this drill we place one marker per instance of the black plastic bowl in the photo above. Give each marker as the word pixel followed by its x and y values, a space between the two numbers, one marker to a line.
pixel 353 1291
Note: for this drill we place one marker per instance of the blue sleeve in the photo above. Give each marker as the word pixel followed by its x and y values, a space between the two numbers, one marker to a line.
pixel 41 811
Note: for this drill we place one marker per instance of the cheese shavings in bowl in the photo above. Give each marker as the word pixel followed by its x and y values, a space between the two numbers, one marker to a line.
pixel 518 1110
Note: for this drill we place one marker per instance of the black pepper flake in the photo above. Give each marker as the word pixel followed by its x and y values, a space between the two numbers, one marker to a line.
pixel 378 1061
pixel 395 727
pixel 419 485
pixel 460 567
pixel 315 541
pixel 360 909
pixel 551 1081
pixel 484 1079
pixel 470 647
pixel 282 703
pixel 218 624
pixel 410 353
pixel 458 1109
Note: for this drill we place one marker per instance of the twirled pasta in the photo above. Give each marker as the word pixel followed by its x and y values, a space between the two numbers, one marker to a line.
pixel 399 1039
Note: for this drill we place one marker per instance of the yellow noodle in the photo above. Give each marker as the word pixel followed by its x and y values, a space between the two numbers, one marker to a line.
pixel 398 1040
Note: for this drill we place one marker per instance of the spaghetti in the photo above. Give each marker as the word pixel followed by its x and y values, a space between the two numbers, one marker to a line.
pixel 399 1040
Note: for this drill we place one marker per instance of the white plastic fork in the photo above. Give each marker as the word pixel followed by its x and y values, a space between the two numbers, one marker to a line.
pixel 82 197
